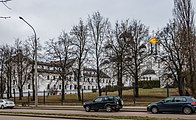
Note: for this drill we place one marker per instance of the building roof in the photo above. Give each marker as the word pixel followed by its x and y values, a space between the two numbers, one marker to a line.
pixel 148 72
pixel 90 72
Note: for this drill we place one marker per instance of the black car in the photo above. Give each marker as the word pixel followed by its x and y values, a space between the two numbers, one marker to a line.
pixel 184 104
pixel 104 102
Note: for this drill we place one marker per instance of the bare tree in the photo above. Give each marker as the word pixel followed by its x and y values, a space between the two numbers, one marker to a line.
pixel 61 52
pixel 184 18
pixel 116 49
pixel 2 60
pixel 4 2
pixel 29 46
pixel 178 41
pixel 22 65
pixel 98 28
pixel 80 36
pixel 136 52
pixel 171 55
pixel 7 68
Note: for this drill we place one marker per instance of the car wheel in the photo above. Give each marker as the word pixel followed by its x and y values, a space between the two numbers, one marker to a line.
pixel 108 108
pixel 87 108
pixel 187 110
pixel 154 110
pixel 2 106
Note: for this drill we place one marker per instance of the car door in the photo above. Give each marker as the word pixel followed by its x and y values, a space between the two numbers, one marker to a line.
pixel 167 104
pixel 97 103
pixel 179 102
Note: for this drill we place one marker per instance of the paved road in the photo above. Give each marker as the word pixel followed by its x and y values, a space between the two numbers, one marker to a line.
pixel 8 117
pixel 103 113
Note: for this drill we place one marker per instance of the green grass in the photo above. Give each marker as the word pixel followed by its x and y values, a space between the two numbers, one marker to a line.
pixel 146 96
pixel 86 116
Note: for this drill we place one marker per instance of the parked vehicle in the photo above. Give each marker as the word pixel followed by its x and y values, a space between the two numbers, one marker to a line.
pixel 184 104
pixel 6 103
pixel 109 103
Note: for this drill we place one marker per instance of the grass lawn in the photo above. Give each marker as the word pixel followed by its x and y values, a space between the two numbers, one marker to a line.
pixel 146 96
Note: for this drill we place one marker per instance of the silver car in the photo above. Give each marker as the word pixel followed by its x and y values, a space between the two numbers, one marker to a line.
pixel 6 103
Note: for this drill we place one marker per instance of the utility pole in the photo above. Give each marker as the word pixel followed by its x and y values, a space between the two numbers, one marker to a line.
pixel 35 67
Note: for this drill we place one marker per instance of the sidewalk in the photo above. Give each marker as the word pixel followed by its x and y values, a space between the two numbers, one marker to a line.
pixel 69 107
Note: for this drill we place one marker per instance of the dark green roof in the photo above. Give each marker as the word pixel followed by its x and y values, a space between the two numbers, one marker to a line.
pixel 149 72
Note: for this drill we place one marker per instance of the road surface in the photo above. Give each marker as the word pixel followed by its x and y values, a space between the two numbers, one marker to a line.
pixel 102 113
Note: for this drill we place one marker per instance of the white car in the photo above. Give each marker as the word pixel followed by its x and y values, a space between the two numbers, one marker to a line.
pixel 6 103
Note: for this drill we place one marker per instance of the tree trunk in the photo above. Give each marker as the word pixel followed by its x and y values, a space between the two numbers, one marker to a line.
pixel 20 93
pixel 136 88
pixel 10 84
pixel 33 82
pixel 63 91
pixel 78 82
pixel 98 77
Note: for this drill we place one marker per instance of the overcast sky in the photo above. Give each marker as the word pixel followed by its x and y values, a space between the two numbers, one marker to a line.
pixel 51 17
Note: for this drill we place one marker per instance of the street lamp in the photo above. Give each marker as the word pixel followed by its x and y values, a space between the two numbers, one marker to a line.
pixel 35 67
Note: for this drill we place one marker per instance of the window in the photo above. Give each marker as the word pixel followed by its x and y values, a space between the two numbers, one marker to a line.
pixel 180 99
pixel 99 99
pixel 89 87
pixel 14 82
pixel 48 77
pixel 53 77
pixel 59 86
pixel 105 99
pixel 170 99
pixel 194 100
pixel 110 98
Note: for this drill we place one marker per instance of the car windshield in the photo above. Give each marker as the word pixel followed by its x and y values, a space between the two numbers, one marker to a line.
pixel 117 97
pixel 8 100
pixel 99 99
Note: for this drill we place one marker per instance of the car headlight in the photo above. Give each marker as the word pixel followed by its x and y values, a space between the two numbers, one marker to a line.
pixel 84 103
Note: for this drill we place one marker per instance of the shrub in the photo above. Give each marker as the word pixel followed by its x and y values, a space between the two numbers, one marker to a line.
pixel 149 84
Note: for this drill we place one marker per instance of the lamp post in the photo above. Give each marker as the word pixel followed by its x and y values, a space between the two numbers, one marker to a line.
pixel 35 67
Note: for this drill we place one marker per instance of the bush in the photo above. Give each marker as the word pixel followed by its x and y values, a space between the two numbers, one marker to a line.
pixel 108 88
pixel 149 84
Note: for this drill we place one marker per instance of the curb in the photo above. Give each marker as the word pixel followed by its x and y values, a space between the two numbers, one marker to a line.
pixel 48 107
pixel 55 116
